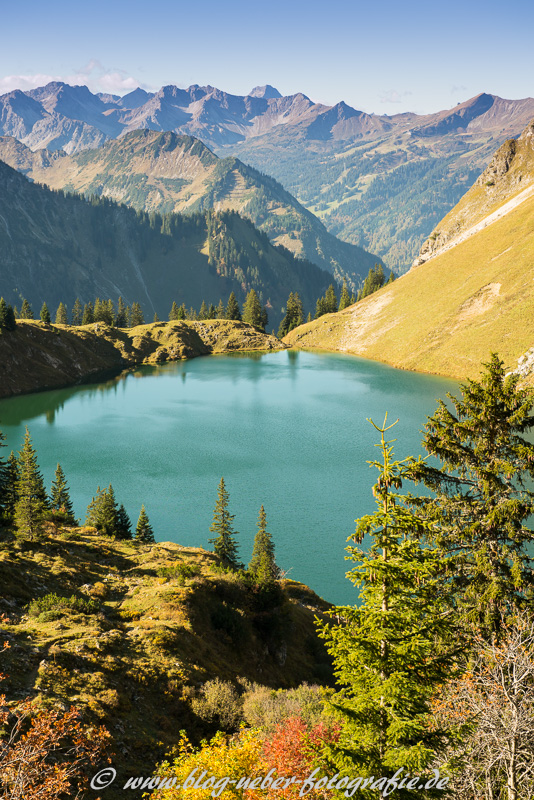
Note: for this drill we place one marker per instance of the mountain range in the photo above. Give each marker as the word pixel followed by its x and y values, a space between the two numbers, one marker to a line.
pixel 380 182
pixel 470 292
pixel 169 173
pixel 56 247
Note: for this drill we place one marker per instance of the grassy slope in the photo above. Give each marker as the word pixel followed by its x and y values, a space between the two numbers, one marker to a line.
pixel 35 356
pixel 134 664
pixel 448 314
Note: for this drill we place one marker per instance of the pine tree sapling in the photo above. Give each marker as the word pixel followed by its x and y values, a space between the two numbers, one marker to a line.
pixel 224 543
pixel 144 533
pixel 262 564
pixel 391 652
pixel 481 499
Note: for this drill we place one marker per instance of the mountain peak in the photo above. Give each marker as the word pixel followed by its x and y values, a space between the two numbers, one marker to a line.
pixel 267 92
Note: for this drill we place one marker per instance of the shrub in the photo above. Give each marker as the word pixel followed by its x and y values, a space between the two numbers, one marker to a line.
pixel 219 702
pixel 227 619
pixel 52 606
pixel 179 572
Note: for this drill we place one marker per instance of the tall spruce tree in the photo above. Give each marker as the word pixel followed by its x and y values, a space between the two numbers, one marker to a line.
pixel 26 310
pixel 144 533
pixel 224 543
pixel 203 311
pixel 88 316
pixel 102 512
pixel 221 311
pixel 10 495
pixel 252 310
pixel 45 314
pixel 121 320
pixel 344 300
pixel 61 315
pixel 136 316
pixel 232 309
pixel 174 311
pixel 3 313
pixel 32 502
pixel 482 501
pixel 395 648
pixel 123 528
pixel 294 315
pixel 60 497
pixel 77 312
pixel 262 564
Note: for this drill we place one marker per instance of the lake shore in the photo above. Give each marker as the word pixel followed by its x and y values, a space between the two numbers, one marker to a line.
pixel 35 357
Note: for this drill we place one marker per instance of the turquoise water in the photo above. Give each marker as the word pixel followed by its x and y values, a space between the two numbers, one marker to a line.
pixel 285 429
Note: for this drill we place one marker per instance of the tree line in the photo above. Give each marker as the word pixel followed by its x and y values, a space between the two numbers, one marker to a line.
pixel 26 505
pixel 129 316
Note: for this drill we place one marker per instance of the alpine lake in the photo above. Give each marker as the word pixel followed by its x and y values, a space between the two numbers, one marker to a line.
pixel 287 430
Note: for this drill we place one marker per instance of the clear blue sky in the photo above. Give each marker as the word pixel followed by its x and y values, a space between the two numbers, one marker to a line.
pixel 379 57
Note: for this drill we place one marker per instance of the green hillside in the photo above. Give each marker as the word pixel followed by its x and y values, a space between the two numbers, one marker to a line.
pixel 446 315
pixel 149 625
pixel 56 247
pixel 168 173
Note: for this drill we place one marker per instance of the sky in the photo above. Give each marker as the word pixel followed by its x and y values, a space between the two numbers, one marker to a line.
pixel 381 58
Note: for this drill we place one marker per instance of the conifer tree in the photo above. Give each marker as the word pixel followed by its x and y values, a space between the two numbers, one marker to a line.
pixel 330 300
pixel 102 511
pixel 396 647
pixel 224 543
pixel 309 317
pixel 88 314
pixel 45 314
pixel 232 309
pixel 26 310
pixel 344 300
pixel 375 280
pixel 203 312
pixel 32 502
pixel 262 564
pixel 11 322
pixel 182 314
pixel 16 312
pixel 320 307
pixel 212 312
pixel 174 311
pixel 110 313
pixel 10 493
pixel 77 312
pixel 3 313
pixel 143 530
pixel 252 310
pixel 121 320
pixel 60 497
pixel 136 316
pixel 156 318
pixel 123 528
pixel 61 315
pixel 294 315
pixel 99 310
pixel 481 501
pixel 221 311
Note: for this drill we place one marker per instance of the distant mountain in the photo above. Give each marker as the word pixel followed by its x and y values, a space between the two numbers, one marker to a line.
pixel 377 181
pixel 57 247
pixel 472 292
pixel 163 172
